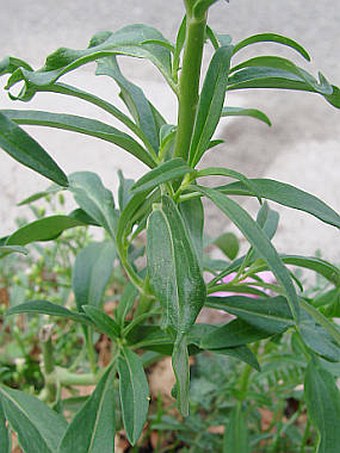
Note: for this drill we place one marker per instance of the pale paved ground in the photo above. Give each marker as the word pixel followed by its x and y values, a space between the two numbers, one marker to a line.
pixel 302 147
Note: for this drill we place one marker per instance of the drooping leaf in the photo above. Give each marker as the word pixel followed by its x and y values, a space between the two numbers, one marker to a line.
pixel 236 437
pixel 82 125
pixel 5 444
pixel 210 103
pixel 134 98
pixel 51 190
pixel 265 314
pixel 91 273
pixel 259 241
pixel 165 172
pixel 102 321
pixel 286 195
pixel 97 201
pixel 92 429
pixel 272 37
pixel 24 149
pixel 323 405
pixel 235 333
pixel 38 427
pixel 134 394
pixel 252 113
pixel 174 271
pixel 318 339
pixel 8 249
pixel 45 229
pixel 45 307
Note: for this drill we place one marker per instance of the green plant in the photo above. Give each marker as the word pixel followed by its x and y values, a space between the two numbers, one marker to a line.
pixel 166 291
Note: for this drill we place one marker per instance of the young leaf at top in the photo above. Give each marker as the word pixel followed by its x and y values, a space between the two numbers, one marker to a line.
pixel 286 195
pixel 272 37
pixel 91 272
pixel 134 394
pixel 323 405
pixel 23 148
pixel 92 429
pixel 210 103
pixel 38 427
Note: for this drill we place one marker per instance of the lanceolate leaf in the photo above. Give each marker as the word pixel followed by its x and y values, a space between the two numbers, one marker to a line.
pixel 91 273
pixel 286 195
pixel 134 394
pixel 174 271
pixel 180 364
pixel 210 103
pixel 44 229
pixel 7 249
pixel 134 98
pixel 97 201
pixel 165 172
pixel 323 405
pixel 44 307
pixel 39 428
pixel 102 321
pixel 259 241
pixel 272 37
pixel 236 437
pixel 92 429
pixel 242 353
pixel 235 333
pixel 23 148
pixel 192 212
pixel 266 314
pixel 253 113
pixel 82 125
pixel 5 444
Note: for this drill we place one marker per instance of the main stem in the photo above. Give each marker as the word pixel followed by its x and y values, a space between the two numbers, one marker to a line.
pixel 189 80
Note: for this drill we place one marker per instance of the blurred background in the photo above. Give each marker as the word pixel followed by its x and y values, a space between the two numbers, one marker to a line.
pixel 302 146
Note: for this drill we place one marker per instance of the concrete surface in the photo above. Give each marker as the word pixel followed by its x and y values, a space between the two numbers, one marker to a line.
pixel 301 148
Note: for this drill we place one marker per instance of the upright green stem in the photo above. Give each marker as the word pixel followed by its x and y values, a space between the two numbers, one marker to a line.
pixel 189 80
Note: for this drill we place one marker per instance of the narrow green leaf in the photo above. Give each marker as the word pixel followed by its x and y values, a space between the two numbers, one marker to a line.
pixel 23 148
pixel 286 195
pixel 126 303
pixel 318 339
pixel 252 113
pixel 210 103
pixel 102 321
pixel 53 189
pixel 82 125
pixel 165 172
pixel 258 239
pixel 124 188
pixel 272 37
pixel 174 271
pixel 180 364
pixel 9 64
pixel 323 405
pixel 134 98
pixel 236 438
pixel 180 39
pixel 92 429
pixel 331 327
pixel 91 273
pixel 5 444
pixel 192 212
pixel 235 333
pixel 44 307
pixel 241 353
pixel 97 201
pixel 134 394
pixel 8 249
pixel 45 229
pixel 38 427
pixel 266 314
